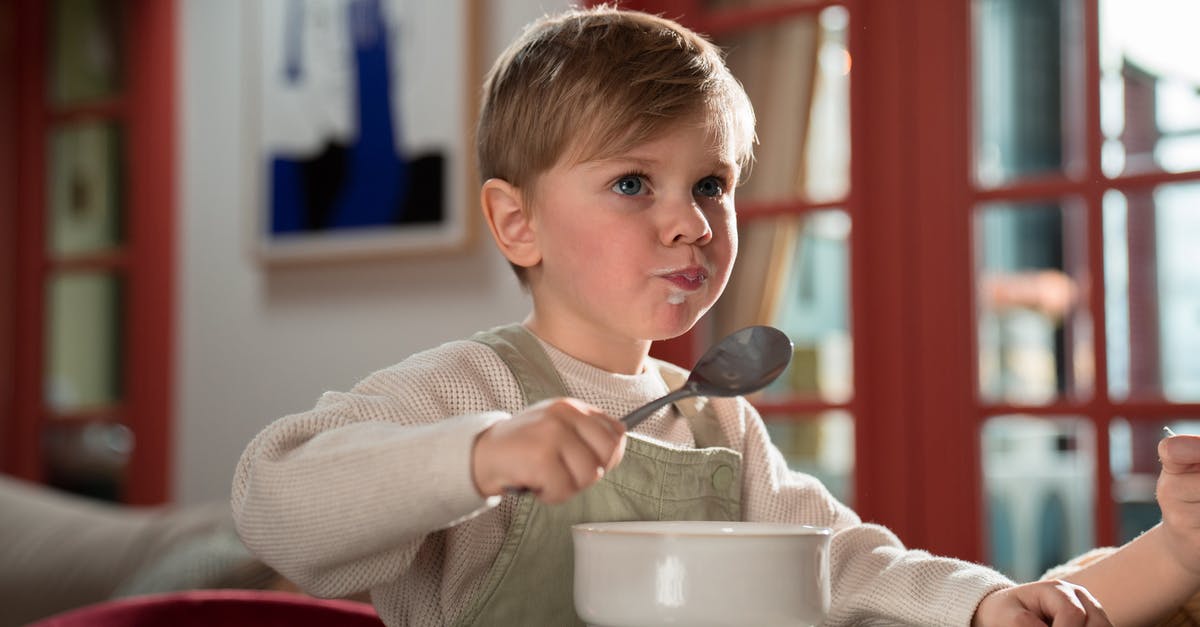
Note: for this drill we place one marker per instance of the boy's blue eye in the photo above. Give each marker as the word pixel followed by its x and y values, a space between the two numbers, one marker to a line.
pixel 628 185
pixel 710 186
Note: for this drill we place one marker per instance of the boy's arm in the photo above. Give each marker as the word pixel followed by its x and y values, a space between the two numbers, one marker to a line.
pixel 1156 573
pixel 873 576
pixel 340 498
pixel 339 509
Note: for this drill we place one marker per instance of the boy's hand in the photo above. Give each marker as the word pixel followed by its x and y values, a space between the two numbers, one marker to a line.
pixel 1178 494
pixel 554 448
pixel 1054 602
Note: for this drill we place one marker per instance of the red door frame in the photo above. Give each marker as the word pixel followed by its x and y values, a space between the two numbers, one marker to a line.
pixel 147 260
pixel 8 211
pixel 884 280
pixel 152 207
pixel 23 425
pixel 947 460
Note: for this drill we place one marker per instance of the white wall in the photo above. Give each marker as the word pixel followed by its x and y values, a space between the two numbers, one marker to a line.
pixel 255 343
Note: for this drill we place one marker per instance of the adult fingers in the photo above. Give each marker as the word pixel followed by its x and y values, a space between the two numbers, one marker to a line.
pixel 1180 453
pixel 1180 487
pixel 1096 616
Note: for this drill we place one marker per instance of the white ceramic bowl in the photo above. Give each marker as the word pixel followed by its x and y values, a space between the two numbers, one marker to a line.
pixel 701 574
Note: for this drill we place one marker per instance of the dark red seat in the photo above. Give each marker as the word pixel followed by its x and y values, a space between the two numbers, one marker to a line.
pixel 197 608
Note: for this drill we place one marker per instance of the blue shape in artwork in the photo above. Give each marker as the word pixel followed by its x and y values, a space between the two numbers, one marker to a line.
pixel 378 177
pixel 286 183
pixel 365 183
pixel 294 42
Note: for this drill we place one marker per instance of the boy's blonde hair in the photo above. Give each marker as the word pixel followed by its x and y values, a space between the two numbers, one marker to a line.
pixel 597 82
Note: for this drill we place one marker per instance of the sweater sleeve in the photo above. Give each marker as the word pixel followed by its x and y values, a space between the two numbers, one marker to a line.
pixel 874 578
pixel 338 499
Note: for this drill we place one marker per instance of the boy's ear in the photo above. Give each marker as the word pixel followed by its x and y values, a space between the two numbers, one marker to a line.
pixel 504 209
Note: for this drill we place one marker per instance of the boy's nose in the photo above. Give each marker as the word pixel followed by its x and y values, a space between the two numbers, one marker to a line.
pixel 687 224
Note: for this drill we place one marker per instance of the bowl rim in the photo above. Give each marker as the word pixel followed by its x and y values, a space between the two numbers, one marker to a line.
pixel 701 528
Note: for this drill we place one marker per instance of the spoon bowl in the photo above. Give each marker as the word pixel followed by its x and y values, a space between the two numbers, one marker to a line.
pixel 742 362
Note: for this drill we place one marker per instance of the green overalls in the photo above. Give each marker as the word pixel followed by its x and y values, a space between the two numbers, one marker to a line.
pixel 531 581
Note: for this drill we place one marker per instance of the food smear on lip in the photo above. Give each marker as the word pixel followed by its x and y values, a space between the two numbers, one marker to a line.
pixel 688 280
pixel 676 297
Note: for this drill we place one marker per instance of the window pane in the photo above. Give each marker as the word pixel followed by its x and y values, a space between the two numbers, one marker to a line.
pixel 1023 49
pixel 797 74
pixel 85 188
pixel 85 53
pixel 1034 334
pixel 794 273
pixel 1133 457
pixel 827 149
pixel 83 341
pixel 1039 488
pixel 1149 103
pixel 1152 278
pixel 821 445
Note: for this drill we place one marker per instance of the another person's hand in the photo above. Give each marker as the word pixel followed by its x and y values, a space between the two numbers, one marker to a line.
pixel 1178 494
pixel 1052 603
pixel 555 449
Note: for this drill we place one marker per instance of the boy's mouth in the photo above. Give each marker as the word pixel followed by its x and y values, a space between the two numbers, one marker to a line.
pixel 688 279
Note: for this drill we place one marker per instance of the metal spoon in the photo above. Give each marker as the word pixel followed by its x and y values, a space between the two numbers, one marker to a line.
pixel 743 362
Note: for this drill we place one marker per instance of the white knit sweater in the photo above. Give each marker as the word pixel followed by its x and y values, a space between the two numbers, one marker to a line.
pixel 371 490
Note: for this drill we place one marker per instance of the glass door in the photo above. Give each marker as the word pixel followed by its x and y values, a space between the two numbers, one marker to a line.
pixel 92 257
pixel 1086 209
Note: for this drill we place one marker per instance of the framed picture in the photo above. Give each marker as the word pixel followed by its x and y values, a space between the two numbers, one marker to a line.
pixel 359 123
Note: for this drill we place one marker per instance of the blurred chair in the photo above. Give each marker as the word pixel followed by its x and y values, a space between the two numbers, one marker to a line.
pixel 60 551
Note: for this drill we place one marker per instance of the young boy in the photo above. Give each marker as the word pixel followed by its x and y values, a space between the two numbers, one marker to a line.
pixel 610 144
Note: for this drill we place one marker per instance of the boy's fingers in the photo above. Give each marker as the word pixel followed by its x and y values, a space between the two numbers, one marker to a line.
pixel 603 435
pixel 1077 607
pixel 1180 453
pixel 1064 607
pixel 555 489
pixel 581 462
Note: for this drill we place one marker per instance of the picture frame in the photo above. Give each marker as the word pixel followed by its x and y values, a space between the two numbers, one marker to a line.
pixel 328 84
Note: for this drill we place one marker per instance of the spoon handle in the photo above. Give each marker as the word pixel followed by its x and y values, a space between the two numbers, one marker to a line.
pixel 635 417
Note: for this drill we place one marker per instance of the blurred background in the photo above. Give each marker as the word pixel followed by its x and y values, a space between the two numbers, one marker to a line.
pixel 971 216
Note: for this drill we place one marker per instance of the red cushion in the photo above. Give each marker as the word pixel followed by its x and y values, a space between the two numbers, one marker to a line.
pixel 198 608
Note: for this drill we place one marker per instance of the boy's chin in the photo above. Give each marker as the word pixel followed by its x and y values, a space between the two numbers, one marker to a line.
pixel 675 322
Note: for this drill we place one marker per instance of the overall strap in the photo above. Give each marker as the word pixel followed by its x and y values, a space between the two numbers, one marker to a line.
pixel 530 364
pixel 700 414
